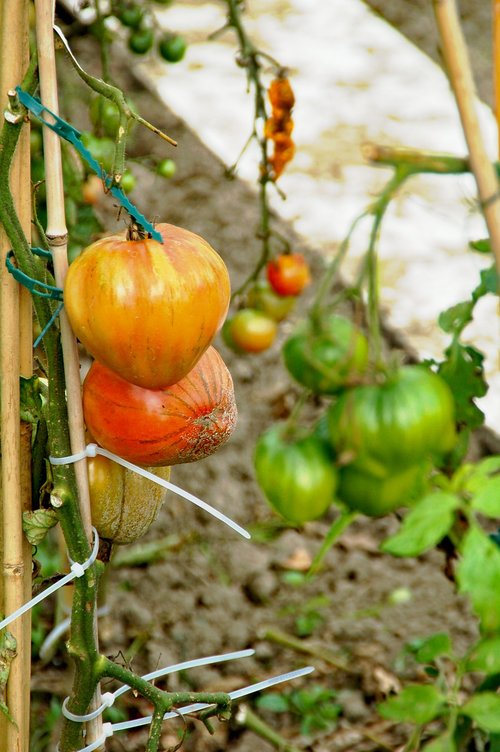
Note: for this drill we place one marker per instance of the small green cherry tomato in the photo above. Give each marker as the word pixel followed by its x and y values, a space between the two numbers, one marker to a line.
pixel 140 41
pixel 166 168
pixel 102 149
pixel 396 424
pixel 326 356
pixel 172 47
pixel 263 298
pixel 297 476
pixel 105 114
pixel 251 331
pixel 130 15
pixel 128 182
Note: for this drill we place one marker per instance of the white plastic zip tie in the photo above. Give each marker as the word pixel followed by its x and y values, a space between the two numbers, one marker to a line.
pixel 110 697
pixel 195 707
pixel 93 449
pixel 57 632
pixel 77 570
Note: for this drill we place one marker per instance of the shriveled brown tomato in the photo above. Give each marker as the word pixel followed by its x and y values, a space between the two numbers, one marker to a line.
pixel 145 310
pixel 181 423
pixel 123 504
pixel 288 273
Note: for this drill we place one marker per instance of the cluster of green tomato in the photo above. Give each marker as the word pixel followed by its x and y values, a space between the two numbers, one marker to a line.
pixel 375 446
pixel 105 118
pixel 141 38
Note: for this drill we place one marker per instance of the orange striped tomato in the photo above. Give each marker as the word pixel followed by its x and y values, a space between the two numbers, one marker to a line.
pixel 184 422
pixel 145 310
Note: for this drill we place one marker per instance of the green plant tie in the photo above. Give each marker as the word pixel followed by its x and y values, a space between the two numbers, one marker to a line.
pixel 72 135
pixel 42 289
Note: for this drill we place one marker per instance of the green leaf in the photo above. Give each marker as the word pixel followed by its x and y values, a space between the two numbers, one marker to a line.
pixel 463 372
pixel 487 499
pixel 484 709
pixel 481 246
pixel 424 526
pixel 478 574
pixel 430 648
pixel 485 656
pixel 456 318
pixel 417 703
pixel 37 523
pixel 479 474
pixel 273 701
pixel 489 283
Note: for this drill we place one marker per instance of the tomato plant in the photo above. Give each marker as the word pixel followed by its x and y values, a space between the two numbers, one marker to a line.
pixel 181 423
pixel 263 298
pixel 327 355
pixel 395 424
pixel 123 503
pixel 145 310
pixel 250 331
pixel 288 273
pixel 296 475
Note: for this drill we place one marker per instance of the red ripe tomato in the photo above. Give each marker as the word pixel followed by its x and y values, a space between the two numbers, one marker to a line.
pixel 250 331
pixel 145 310
pixel 288 274
pixel 184 422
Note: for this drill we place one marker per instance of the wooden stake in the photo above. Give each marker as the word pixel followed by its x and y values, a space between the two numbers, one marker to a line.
pixel 459 71
pixel 16 486
pixel 57 236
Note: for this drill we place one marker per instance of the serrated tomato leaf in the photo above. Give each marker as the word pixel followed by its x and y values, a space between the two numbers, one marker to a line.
pixel 424 526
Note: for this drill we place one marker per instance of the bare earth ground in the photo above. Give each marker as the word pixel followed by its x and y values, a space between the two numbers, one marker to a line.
pixel 216 592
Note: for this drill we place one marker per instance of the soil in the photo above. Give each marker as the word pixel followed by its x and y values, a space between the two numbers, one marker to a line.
pixel 215 592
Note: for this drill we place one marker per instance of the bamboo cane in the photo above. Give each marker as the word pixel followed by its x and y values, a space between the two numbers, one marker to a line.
pixel 459 71
pixel 56 232
pixel 16 358
pixel 496 65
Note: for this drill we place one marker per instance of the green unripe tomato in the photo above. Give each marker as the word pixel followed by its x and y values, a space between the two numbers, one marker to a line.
pixel 297 476
pixel 327 356
pixel 105 114
pixel 166 168
pixel 102 149
pixel 131 15
pixel 140 41
pixel 377 496
pixel 262 297
pixel 128 181
pixel 172 47
pixel 396 424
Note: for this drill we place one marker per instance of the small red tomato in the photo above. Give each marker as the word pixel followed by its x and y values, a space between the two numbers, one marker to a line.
pixel 288 274
pixel 251 331
pixel 181 423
